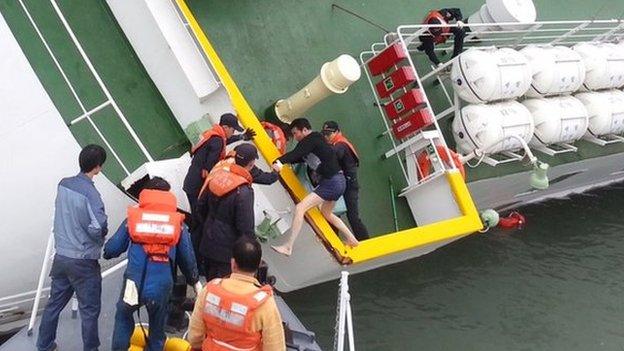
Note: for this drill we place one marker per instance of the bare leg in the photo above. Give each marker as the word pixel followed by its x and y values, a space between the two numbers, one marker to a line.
pixel 311 200
pixel 327 209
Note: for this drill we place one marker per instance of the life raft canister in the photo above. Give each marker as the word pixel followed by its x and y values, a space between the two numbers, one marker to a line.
pixel 277 135
pixel 155 224
pixel 513 221
pixel 440 34
pixel 228 318
pixel 424 161
pixel 226 176
pixel 340 138
pixel 216 130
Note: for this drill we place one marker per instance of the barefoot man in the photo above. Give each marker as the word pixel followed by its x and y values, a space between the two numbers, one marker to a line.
pixel 314 150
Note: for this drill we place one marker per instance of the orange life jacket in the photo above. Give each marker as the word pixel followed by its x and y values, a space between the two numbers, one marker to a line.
pixel 424 161
pixel 339 138
pixel 226 176
pixel 216 130
pixel 228 317
pixel 440 34
pixel 277 135
pixel 155 224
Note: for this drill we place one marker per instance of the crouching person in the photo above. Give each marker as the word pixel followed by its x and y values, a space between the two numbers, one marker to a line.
pixel 156 239
pixel 237 313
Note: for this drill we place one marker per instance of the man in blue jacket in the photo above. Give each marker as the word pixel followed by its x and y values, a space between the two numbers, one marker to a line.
pixel 156 240
pixel 80 225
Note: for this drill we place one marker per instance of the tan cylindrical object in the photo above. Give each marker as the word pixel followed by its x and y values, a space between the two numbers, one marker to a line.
pixel 335 78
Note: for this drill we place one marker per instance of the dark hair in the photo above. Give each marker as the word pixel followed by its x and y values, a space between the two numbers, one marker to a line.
pixel 90 157
pixel 157 183
pixel 247 254
pixel 300 123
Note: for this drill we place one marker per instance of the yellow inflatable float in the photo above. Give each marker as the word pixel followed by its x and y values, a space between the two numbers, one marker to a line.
pixel 137 341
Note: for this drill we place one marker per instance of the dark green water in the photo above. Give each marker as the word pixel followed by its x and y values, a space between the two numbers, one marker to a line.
pixel 557 284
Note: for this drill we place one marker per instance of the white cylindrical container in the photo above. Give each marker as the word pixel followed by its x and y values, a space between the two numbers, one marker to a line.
pixel 506 11
pixel 556 70
pixel 561 119
pixel 479 126
pixel 481 76
pixel 335 78
pixel 516 11
pixel 604 65
pixel 482 16
pixel 606 111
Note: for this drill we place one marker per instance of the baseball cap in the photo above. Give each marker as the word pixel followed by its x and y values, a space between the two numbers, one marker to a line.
pixel 245 153
pixel 230 120
pixel 330 127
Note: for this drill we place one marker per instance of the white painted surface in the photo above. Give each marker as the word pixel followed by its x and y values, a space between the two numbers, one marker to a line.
pixel 36 151
pixel 172 170
pixel 172 59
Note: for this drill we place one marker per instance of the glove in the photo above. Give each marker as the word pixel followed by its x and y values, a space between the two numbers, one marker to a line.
pixel 197 287
pixel 249 134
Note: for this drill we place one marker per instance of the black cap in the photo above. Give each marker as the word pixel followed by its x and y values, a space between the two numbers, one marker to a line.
pixel 230 120
pixel 245 153
pixel 330 127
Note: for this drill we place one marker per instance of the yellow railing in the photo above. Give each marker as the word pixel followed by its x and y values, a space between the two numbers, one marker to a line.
pixel 370 249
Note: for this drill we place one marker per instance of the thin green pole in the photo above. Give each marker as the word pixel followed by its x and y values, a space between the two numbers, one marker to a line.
pixel 394 209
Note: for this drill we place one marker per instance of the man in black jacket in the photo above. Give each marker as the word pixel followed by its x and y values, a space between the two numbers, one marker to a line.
pixel 349 162
pixel 209 150
pixel 319 155
pixel 228 204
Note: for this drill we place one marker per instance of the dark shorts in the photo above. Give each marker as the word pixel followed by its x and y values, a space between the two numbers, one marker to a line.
pixel 331 189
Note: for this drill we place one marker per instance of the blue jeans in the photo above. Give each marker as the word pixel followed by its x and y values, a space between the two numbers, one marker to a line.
pixel 157 304
pixel 71 275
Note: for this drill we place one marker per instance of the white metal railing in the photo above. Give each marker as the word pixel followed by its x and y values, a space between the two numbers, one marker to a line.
pixel 87 114
pixel 406 145
pixel 45 268
pixel 344 318
pixel 515 35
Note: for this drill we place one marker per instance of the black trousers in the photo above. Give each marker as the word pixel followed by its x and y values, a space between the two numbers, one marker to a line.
pixel 351 197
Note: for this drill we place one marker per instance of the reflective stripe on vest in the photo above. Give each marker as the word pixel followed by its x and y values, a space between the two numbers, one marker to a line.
pixel 155 224
pixel 228 317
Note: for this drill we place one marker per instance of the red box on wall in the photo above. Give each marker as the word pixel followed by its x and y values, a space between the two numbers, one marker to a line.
pixel 406 102
pixel 397 80
pixel 391 56
pixel 412 123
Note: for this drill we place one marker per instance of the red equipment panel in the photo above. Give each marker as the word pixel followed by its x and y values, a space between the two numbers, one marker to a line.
pixel 397 80
pixel 412 123
pixel 406 102
pixel 391 56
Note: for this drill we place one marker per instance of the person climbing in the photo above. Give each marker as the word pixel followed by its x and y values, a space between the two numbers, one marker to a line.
pixel 313 149
pixel 349 163
pixel 439 35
